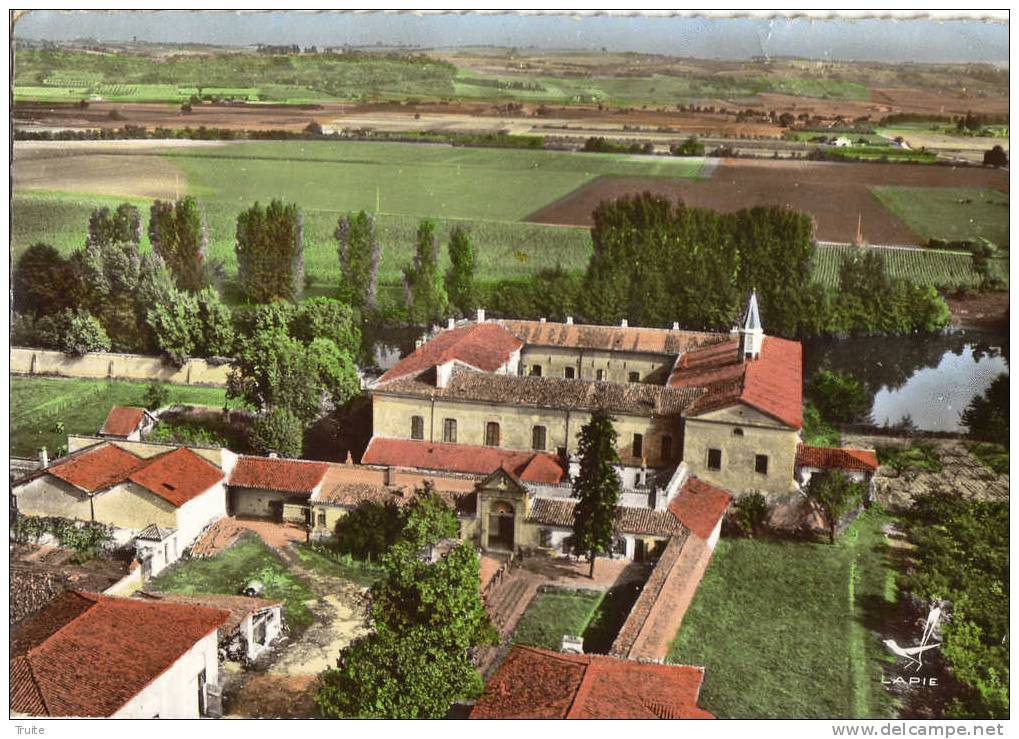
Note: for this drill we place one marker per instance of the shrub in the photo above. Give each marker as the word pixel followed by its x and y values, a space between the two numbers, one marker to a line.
pixel 80 332
pixel 750 513
pixel 920 456
pixel 839 397
pixel 156 395
pixel 278 430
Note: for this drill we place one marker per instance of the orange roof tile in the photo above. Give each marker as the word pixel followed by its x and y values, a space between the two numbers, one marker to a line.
pixel 97 467
pixel 772 383
pixel 285 475
pixel 485 346
pixel 122 420
pixel 700 506
pixel 541 684
pixel 610 338
pixel 838 459
pixel 177 476
pixel 87 655
pixel 462 458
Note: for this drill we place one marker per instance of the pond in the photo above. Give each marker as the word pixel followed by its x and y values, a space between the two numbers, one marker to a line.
pixel 930 379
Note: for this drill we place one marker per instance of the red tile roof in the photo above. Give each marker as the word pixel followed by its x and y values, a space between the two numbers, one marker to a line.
pixel 238 606
pixel 700 506
pixel 97 467
pixel 541 684
pixel 635 339
pixel 629 520
pixel 485 346
pixel 285 475
pixel 88 655
pixel 463 458
pixel 123 420
pixel 772 383
pixel 177 476
pixel 839 459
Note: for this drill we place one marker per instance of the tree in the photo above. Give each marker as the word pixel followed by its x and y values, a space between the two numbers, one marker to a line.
pixel 325 318
pixel 122 226
pixel 995 157
pixel 277 431
pixel 836 495
pixel 270 252
pixel 43 281
pixel 179 235
pixel 216 322
pixel 80 332
pixel 156 395
pixel 981 253
pixel 313 129
pixel 175 327
pixel 428 519
pixel 597 487
pixel 840 398
pixel 360 253
pixel 691 147
pixel 986 416
pixel 750 513
pixel 424 293
pixel 460 275
pixel 369 530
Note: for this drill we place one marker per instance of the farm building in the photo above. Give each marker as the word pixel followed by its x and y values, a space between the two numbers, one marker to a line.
pixel 254 624
pixel 88 655
pixel 533 683
pixel 272 487
pixel 127 423
pixel 161 501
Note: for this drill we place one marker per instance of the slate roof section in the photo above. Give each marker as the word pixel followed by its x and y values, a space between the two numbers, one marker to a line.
pixel 122 420
pixel 534 683
pixel 636 399
pixel 700 506
pixel 87 655
pixel 97 467
pixel 537 467
pixel 155 533
pixel 283 475
pixel 558 512
pixel 862 460
pixel 177 476
pixel 610 338
pixel 486 346
pixel 772 383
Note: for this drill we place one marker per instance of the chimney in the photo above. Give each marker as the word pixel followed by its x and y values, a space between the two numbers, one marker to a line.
pixel 675 325
pixel 450 324
pixel 624 323
pixel 44 458
pixel 569 320
pixel 481 315
pixel 387 476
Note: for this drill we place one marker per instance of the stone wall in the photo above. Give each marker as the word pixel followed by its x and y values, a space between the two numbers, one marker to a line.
pixel 112 366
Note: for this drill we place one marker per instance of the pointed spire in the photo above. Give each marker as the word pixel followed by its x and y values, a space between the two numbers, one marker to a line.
pixel 753 319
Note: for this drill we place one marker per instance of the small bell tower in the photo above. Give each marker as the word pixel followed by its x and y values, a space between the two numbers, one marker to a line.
pixel 751 333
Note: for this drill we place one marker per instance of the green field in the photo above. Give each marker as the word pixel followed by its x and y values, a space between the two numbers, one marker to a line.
pixel 928 267
pixel 39 405
pixel 554 613
pixel 783 628
pixel 871 153
pixel 951 214
pixel 230 570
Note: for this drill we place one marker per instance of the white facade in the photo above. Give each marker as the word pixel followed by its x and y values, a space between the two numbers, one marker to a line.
pixel 199 512
pixel 175 693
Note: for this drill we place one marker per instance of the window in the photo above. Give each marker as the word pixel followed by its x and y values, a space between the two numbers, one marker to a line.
pixel 737 432
pixel 321 518
pixel 449 431
pixel 569 372
pixel 545 537
pixel 638 445
pixel 714 459
pixel 535 370
pixel 634 376
pixel 666 447
pixel 417 427
pixel 761 464
pixel 599 375
pixel 538 438
pixel 619 547
pixel 491 434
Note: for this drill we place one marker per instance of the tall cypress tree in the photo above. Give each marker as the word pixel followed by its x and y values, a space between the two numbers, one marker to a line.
pixel 424 292
pixel 122 226
pixel 597 487
pixel 360 253
pixel 460 275
pixel 179 235
pixel 270 252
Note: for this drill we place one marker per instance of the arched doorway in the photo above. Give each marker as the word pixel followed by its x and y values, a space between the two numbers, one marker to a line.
pixel 500 526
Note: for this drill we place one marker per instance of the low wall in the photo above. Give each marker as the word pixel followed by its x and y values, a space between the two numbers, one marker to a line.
pixel 656 616
pixel 111 366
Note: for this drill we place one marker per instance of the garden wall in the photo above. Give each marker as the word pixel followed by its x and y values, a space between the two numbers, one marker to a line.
pixel 111 366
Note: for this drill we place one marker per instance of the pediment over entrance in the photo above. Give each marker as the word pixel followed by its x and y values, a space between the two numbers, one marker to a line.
pixel 502 481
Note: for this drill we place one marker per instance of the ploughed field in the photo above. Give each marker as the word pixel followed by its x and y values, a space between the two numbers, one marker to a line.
pixel 837 194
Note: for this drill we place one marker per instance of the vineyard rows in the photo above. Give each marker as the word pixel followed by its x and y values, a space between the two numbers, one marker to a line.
pixel 930 268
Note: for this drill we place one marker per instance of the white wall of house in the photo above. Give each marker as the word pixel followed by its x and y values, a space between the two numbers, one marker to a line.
pixel 199 512
pixel 174 694
pixel 160 554
pixel 273 619
pixel 805 473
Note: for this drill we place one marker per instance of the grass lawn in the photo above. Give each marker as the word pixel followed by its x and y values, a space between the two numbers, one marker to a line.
pixel 320 558
pixel 949 213
pixel 40 404
pixel 554 613
pixel 780 627
pixel 229 571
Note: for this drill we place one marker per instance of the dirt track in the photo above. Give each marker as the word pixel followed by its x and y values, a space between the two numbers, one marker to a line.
pixel 836 194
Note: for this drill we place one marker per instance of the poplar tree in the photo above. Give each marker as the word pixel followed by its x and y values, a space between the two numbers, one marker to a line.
pixel 270 252
pixel 360 253
pixel 460 275
pixel 424 292
pixel 597 487
pixel 122 226
pixel 178 233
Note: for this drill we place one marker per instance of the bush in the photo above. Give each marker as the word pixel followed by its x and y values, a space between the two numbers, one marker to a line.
pixel 277 430
pixel 156 395
pixel 750 513
pixel 80 332
pixel 839 398
pixel 920 456
pixel 369 530
pixel 992 456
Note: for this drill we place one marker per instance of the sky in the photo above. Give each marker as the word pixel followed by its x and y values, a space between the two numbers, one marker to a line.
pixel 691 36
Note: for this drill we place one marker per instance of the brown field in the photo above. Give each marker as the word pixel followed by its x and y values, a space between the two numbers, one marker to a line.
pixel 836 194
pixel 99 167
